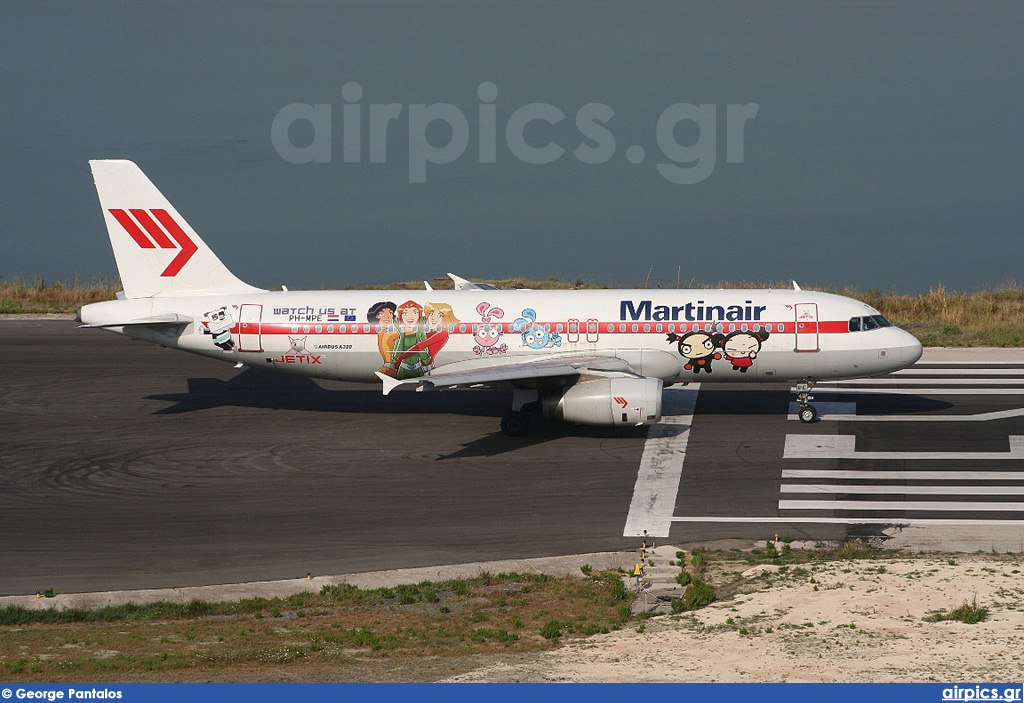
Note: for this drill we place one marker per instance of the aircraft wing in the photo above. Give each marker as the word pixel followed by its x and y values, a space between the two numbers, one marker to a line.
pixel 171 318
pixel 520 374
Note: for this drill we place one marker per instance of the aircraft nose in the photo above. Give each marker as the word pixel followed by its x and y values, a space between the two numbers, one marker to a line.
pixel 910 350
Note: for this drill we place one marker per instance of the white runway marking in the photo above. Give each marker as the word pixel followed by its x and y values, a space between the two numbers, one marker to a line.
pixel 923 505
pixel 826 411
pixel 905 381
pixel 902 521
pixel 851 417
pixel 807 446
pixel 848 489
pixel 906 475
pixel 968 363
pixel 920 391
pixel 914 371
pixel 661 466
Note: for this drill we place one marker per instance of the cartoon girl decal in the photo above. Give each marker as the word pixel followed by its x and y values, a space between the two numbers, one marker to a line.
pixel 698 348
pixel 409 352
pixel 422 333
pixel 382 315
pixel 741 348
pixel 439 316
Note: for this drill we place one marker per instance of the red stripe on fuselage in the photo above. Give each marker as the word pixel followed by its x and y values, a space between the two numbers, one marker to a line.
pixel 355 328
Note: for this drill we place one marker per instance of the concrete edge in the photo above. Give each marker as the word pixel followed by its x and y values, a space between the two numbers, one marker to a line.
pixel 38 316
pixel 553 566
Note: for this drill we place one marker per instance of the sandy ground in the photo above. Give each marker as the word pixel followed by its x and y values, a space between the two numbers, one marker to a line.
pixel 842 621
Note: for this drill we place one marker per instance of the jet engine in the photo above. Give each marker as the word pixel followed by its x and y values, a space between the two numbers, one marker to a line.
pixel 609 401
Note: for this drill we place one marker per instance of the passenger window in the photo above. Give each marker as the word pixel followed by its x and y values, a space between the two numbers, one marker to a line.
pixel 658 328
pixel 319 329
pixel 636 327
pixel 869 323
pixel 622 327
pixel 855 324
pixel 647 327
pixel 366 328
pixel 330 329
pixel 462 329
pixel 611 328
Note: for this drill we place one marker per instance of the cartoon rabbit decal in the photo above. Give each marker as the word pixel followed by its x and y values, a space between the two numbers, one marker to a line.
pixel 487 334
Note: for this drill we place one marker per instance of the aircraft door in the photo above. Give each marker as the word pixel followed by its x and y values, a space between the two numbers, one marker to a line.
pixel 806 327
pixel 592 331
pixel 250 338
pixel 573 334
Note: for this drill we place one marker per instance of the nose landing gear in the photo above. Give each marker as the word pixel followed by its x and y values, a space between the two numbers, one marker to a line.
pixel 807 413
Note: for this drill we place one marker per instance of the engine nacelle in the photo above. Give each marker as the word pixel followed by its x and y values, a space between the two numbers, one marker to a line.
pixel 611 401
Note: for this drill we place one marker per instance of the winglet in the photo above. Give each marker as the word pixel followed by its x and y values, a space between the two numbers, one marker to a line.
pixel 390 383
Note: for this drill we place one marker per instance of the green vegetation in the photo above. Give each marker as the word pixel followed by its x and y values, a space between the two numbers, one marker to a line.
pixel 970 613
pixel 940 317
pixel 410 632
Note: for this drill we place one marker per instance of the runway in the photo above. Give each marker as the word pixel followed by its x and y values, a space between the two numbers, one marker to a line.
pixel 124 465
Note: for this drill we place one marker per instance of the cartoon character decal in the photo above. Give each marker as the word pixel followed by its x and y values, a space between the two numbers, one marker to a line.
pixel 218 323
pixel 741 348
pixel 486 334
pixel 419 335
pixel 535 336
pixel 297 345
pixel 700 349
pixel 382 315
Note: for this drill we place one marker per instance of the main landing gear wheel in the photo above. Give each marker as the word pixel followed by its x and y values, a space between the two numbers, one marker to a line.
pixel 514 424
pixel 808 414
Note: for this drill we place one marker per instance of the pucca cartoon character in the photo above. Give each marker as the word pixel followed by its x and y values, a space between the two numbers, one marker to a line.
pixel 486 334
pixel 741 348
pixel 535 336
pixel 698 348
pixel 219 323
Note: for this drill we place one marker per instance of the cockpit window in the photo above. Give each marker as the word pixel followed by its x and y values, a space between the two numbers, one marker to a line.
pixel 870 322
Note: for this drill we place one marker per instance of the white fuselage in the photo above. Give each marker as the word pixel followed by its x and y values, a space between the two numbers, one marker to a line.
pixel 748 335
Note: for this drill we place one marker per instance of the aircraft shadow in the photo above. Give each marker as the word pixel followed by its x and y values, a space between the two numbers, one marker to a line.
pixel 719 401
pixel 255 388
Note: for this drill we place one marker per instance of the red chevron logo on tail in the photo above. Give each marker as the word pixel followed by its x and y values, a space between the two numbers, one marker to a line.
pixel 157 237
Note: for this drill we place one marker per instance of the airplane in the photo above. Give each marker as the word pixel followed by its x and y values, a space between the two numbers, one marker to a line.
pixel 591 357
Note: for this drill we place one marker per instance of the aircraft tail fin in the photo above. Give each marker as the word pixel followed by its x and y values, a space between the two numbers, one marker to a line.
pixel 158 254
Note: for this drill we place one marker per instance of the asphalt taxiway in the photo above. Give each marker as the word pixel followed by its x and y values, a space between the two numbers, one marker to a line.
pixel 124 465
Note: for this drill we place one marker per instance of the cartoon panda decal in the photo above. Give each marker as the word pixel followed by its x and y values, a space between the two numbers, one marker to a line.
pixel 218 323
